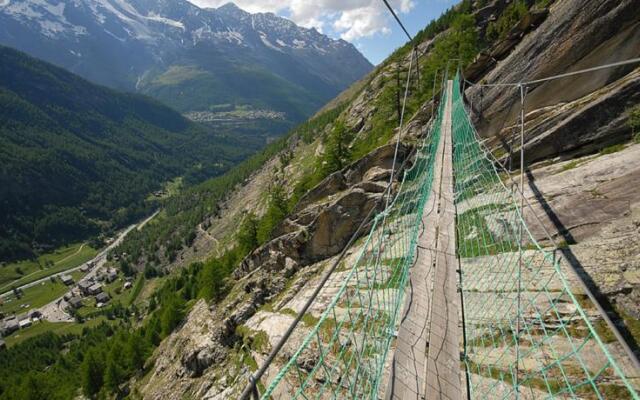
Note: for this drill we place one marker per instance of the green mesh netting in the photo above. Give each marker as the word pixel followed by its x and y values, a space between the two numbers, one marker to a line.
pixel 529 332
pixel 343 355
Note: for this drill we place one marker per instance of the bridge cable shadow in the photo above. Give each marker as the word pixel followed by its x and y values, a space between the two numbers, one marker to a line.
pixel 573 261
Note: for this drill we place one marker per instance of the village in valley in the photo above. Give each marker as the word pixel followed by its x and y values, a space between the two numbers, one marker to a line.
pixel 82 301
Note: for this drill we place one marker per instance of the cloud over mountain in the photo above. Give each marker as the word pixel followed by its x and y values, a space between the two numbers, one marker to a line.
pixel 350 19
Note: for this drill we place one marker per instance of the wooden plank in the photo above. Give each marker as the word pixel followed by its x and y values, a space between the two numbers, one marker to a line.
pixel 443 360
pixel 407 379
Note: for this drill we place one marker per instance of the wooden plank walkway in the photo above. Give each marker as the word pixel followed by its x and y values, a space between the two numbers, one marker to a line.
pixel 443 361
pixel 409 376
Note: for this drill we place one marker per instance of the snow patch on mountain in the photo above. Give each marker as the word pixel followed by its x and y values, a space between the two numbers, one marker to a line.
pixel 230 36
pixel 266 42
pixel 167 21
pixel 49 16
pixel 151 35
pixel 135 24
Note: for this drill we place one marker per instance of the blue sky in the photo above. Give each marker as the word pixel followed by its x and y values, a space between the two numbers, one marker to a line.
pixel 377 47
pixel 365 23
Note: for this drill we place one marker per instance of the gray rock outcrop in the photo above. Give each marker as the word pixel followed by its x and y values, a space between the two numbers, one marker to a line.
pixel 328 215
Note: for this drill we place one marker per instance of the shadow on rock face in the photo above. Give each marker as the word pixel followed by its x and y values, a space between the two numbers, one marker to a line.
pixel 577 266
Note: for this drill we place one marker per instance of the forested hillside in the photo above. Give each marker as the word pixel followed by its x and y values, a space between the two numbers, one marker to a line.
pixel 78 159
pixel 193 59
pixel 223 269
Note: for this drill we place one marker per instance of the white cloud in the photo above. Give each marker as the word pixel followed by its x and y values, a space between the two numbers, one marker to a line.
pixel 351 19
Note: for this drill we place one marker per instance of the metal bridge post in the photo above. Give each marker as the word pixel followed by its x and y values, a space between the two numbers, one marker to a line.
pixel 417 54
pixel 433 94
pixel 521 237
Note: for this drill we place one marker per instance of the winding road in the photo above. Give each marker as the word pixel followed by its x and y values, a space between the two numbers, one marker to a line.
pixel 98 260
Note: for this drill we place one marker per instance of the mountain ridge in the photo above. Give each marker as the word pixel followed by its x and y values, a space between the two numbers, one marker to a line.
pixel 134 44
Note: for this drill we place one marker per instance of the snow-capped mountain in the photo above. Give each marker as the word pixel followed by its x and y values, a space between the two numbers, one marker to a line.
pixel 192 58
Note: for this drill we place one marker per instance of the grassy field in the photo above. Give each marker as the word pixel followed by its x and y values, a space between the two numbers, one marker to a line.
pixel 171 188
pixel 43 294
pixel 60 328
pixel 33 297
pixel 24 272
pixel 36 296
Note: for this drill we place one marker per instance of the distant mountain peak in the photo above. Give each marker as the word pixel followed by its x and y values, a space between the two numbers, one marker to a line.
pixel 230 6
pixel 179 52
pixel 232 10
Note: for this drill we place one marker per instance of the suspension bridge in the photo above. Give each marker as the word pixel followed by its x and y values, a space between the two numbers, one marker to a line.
pixel 450 296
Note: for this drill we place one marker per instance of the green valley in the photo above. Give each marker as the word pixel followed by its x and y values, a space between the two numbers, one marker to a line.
pixel 79 160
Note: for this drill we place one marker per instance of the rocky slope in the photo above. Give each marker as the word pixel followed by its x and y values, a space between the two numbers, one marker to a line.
pixel 190 58
pixel 583 195
pixel 580 188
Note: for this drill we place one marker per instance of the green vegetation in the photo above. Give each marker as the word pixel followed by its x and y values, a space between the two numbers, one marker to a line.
pixel 308 319
pixel 216 80
pixel 24 272
pixel 337 152
pixel 137 288
pixel 255 340
pixel 540 4
pixel 459 41
pixel 612 149
pixel 58 328
pixel 96 355
pixel 507 20
pixel 79 159
pixel 634 123
pixel 475 237
pixel 569 166
pixel 631 323
pixel 33 297
pixel 443 23
pixel 277 210
pixel 175 227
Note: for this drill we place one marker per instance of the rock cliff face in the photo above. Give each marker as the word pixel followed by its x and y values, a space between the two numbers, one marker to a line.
pixel 582 191
pixel 580 154
pixel 325 219
pixel 574 36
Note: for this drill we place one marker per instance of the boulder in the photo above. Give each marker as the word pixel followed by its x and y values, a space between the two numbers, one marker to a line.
pixel 322 231
pixel 381 158
pixel 583 126
pixel 197 361
pixel 273 254
pixel 480 66
pixel 376 174
pixel 374 166
pixel 334 183
pixel 335 224
pixel 504 47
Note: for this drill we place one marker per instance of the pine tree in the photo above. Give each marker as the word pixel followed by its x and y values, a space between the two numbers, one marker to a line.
pixel 92 373
pixel 212 280
pixel 172 314
pixel 33 388
pixel 337 152
pixel 152 331
pixel 135 351
pixel 248 234
pixel 113 373
pixel 276 213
